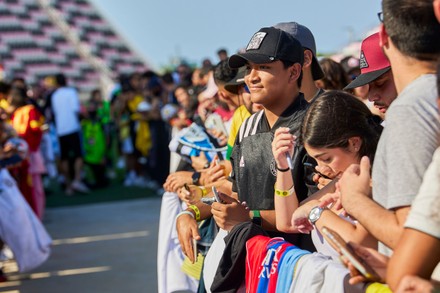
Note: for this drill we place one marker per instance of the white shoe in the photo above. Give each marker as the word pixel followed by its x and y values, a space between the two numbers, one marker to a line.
pixel 80 187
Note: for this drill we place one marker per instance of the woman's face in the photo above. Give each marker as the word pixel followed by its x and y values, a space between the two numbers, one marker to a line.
pixel 337 159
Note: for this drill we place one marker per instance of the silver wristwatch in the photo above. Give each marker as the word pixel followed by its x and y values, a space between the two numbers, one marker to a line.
pixel 315 214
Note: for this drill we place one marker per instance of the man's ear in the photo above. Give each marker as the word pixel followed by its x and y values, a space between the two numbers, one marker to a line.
pixel 222 95
pixel 295 71
pixel 383 36
pixel 308 58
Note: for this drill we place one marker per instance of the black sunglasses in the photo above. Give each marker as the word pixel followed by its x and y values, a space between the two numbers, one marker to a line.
pixel 380 16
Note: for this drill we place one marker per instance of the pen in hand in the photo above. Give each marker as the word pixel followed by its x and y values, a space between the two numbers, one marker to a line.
pixel 289 161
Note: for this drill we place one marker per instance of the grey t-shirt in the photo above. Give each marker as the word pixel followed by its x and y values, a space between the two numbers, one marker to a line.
pixel 407 144
pixel 425 210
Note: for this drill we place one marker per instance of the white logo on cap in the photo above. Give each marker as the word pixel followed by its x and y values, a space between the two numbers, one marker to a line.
pixel 363 61
pixel 255 42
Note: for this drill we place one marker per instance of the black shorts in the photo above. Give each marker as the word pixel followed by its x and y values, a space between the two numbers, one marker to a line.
pixel 70 146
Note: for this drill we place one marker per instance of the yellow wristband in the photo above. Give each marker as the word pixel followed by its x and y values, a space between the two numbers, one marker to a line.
pixel 196 210
pixel 204 191
pixel 284 193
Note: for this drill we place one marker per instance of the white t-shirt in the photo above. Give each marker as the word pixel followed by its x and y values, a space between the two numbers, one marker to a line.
pixel 65 106
pixel 321 244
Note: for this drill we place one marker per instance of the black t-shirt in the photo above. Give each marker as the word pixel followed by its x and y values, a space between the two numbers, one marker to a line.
pixel 253 173
pixel 253 166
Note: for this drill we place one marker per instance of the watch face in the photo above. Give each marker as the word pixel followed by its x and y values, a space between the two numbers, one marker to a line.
pixel 196 177
pixel 314 215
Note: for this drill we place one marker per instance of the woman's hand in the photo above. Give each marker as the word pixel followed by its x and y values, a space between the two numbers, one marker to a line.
pixel 282 144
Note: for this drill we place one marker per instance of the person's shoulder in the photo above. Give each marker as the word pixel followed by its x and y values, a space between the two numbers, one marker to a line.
pixel 248 128
pixel 64 91
pixel 241 113
pixel 424 86
pixel 254 118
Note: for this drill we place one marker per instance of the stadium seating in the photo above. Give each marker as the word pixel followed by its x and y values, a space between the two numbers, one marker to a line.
pixel 33 43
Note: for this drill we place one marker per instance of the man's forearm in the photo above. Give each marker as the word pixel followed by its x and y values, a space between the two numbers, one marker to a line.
pixel 381 223
pixel 268 220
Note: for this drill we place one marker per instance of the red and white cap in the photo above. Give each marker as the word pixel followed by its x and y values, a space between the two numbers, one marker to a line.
pixel 373 62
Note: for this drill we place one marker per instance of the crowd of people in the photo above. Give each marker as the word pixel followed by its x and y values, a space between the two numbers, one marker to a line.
pixel 279 171
pixel 330 180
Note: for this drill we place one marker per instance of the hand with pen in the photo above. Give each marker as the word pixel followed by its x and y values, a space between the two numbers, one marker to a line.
pixel 282 148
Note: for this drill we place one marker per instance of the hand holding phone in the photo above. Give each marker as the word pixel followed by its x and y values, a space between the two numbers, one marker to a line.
pixel 216 195
pixel 344 249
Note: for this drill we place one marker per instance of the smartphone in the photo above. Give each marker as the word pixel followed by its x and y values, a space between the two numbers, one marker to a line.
pixel 344 249
pixel 312 168
pixel 211 200
pixel 194 244
pixel 216 196
pixel 208 200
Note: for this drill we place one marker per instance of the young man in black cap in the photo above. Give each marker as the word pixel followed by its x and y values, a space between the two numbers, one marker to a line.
pixel 273 59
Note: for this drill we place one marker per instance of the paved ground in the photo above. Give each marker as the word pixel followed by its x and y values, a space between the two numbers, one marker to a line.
pixel 97 248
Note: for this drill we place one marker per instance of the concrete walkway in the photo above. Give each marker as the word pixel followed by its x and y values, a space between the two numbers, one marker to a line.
pixel 97 248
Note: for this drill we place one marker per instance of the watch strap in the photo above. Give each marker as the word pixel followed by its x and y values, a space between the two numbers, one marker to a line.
pixel 256 217
pixel 195 178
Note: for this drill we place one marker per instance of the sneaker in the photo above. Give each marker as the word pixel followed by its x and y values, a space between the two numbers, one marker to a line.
pixel 80 187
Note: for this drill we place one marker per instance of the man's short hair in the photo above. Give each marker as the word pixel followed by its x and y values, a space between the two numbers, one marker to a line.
pixel 223 73
pixel 60 79
pixel 413 28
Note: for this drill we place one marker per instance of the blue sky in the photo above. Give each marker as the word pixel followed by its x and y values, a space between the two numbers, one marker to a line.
pixel 195 29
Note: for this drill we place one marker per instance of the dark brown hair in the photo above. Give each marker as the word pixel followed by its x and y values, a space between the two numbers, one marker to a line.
pixel 413 28
pixel 335 117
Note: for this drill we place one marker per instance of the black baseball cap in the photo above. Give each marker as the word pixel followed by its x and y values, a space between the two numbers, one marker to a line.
pixel 268 45
pixel 234 84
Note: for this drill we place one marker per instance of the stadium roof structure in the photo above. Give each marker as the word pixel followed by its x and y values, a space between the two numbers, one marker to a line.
pixel 41 37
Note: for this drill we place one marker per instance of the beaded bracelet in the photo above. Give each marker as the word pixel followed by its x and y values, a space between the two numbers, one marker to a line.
pixel 284 193
pixel 196 211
